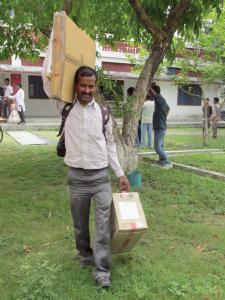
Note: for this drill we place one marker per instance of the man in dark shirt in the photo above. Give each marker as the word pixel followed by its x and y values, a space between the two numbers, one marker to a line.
pixel 159 125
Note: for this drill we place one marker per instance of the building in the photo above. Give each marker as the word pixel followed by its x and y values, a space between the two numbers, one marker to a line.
pixel 29 75
pixel 183 107
pixel 115 61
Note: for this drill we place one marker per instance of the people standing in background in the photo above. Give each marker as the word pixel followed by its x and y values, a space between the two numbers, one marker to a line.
pixel 8 91
pixel 138 138
pixel 215 117
pixel 159 125
pixel 20 104
pixel 1 101
pixel 146 122
pixel 130 92
pixel 207 111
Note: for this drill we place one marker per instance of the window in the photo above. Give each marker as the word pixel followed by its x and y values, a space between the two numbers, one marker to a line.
pixel 189 95
pixel 118 89
pixel 172 71
pixel 36 90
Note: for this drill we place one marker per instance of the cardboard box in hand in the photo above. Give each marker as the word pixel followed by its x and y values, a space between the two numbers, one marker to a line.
pixel 128 222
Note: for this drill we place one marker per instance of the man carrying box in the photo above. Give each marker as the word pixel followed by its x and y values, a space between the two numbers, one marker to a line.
pixel 89 151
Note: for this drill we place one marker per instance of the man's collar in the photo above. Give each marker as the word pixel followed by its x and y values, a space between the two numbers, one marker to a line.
pixel 92 103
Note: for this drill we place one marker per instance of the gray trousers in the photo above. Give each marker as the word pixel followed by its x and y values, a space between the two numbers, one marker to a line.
pixel 84 185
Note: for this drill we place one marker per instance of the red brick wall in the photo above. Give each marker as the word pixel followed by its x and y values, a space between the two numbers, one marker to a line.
pixel 38 63
pixel 122 47
pixel 6 61
pixel 115 67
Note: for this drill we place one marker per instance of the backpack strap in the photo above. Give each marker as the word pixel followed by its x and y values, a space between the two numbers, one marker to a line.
pixel 67 108
pixel 105 116
pixel 65 112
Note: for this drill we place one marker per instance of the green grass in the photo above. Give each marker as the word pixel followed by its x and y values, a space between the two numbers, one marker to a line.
pixel 214 161
pixel 191 138
pixel 180 257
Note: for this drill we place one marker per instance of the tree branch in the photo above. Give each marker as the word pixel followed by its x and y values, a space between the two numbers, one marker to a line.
pixel 144 19
pixel 175 16
pixel 191 94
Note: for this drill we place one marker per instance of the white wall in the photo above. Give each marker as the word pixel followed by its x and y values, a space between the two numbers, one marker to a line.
pixel 44 108
pixel 129 83
pixel 37 107
pixel 170 92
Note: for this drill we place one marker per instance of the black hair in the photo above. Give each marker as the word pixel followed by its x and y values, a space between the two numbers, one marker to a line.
pixel 84 71
pixel 130 91
pixel 7 79
pixel 156 88
pixel 216 99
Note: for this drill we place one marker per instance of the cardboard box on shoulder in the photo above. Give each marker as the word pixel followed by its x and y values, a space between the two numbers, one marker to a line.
pixel 128 222
pixel 71 48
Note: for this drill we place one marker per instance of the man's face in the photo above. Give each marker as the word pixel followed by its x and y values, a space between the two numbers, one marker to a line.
pixel 85 89
pixel 6 82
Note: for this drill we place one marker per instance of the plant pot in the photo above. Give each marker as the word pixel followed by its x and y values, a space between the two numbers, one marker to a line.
pixel 135 179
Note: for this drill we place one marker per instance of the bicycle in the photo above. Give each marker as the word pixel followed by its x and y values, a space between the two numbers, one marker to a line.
pixel 1 134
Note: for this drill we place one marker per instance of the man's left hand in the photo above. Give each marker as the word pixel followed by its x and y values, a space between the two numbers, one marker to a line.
pixel 124 184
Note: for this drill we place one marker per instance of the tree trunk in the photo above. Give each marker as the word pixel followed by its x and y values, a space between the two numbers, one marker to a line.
pixel 67 6
pixel 125 144
pixel 130 121
pixel 128 156
pixel 205 127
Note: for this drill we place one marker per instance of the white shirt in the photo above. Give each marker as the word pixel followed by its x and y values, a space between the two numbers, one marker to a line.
pixel 19 97
pixel 215 110
pixel 86 145
pixel 8 90
pixel 147 112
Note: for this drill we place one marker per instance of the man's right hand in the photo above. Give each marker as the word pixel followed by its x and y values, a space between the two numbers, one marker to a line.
pixel 124 184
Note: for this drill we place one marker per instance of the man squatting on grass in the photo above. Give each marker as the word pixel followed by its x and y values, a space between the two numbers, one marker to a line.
pixel 88 154
pixel 159 125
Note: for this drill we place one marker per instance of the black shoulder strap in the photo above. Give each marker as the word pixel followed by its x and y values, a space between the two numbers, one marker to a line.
pixel 65 112
pixel 105 116
pixel 67 108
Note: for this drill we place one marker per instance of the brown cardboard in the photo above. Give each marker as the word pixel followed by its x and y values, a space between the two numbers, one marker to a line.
pixel 128 221
pixel 71 49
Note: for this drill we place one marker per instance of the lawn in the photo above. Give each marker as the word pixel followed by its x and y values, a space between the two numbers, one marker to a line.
pixel 180 257
pixel 176 138
pixel 212 161
pixel 191 138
